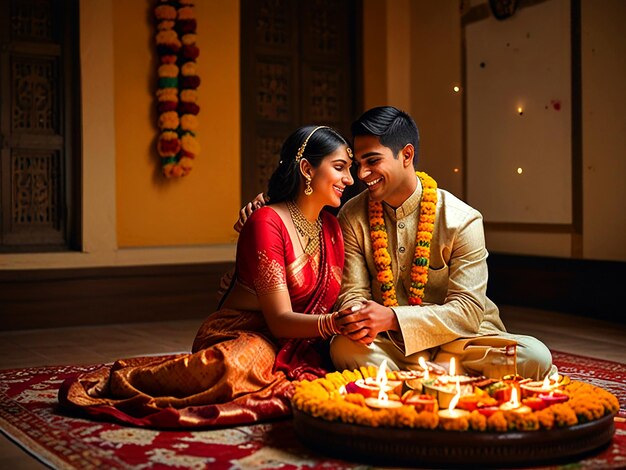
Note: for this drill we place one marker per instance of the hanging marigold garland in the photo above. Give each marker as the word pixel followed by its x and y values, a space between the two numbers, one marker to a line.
pixel 421 259
pixel 177 95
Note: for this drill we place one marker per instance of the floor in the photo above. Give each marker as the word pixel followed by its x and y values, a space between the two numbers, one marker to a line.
pixel 89 345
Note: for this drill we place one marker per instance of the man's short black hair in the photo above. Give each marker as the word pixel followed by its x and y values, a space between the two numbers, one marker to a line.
pixel 393 127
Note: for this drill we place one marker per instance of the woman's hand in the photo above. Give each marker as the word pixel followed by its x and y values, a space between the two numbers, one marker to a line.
pixel 247 210
pixel 363 322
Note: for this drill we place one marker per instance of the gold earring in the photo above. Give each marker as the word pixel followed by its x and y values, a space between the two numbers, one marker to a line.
pixel 308 190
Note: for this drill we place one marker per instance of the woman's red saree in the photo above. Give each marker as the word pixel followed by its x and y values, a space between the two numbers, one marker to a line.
pixel 237 373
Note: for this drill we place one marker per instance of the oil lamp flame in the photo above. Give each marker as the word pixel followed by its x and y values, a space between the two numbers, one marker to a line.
pixel 455 399
pixel 381 380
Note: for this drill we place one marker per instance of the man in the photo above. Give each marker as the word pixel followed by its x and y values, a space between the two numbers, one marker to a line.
pixel 398 303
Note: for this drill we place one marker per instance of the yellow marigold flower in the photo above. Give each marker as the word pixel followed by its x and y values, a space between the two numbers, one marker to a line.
pixel 165 24
pixel 168 120
pixel 460 424
pixel 168 37
pixel 424 236
pixel 545 418
pixel 168 70
pixel 385 276
pixel 564 415
pixel 189 122
pixel 189 39
pixel 167 94
pixel 189 96
pixel 186 163
pixel 189 69
pixel 497 422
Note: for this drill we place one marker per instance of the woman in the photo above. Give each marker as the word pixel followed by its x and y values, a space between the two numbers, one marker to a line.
pixel 272 323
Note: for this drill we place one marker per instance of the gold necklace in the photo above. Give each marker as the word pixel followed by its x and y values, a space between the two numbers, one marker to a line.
pixel 305 228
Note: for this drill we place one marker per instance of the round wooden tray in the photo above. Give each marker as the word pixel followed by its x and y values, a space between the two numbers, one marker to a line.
pixel 438 448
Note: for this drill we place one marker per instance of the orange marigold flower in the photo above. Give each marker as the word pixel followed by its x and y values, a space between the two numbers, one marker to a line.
pixel 186 13
pixel 168 37
pixel 165 12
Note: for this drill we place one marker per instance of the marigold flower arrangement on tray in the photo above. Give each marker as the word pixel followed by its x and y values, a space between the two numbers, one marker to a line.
pixel 434 399
pixel 178 81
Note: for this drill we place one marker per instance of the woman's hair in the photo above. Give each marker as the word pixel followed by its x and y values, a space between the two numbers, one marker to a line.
pixel 393 127
pixel 285 180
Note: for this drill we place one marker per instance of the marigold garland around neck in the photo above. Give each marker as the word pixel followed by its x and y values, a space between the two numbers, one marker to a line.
pixel 421 259
pixel 177 96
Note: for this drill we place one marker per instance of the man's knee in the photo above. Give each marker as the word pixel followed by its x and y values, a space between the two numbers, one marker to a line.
pixel 534 359
pixel 348 354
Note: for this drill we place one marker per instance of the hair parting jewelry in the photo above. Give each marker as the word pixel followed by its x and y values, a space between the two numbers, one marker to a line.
pixel 306 141
pixel 326 325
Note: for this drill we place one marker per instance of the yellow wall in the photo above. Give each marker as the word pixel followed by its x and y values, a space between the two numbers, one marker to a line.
pixel 200 208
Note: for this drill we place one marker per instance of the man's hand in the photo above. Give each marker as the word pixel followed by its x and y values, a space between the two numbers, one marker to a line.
pixel 247 210
pixel 363 322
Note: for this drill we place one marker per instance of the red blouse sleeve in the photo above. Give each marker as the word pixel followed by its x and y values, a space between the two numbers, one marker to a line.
pixel 261 253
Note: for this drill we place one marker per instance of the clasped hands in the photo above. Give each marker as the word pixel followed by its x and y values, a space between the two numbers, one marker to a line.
pixel 362 322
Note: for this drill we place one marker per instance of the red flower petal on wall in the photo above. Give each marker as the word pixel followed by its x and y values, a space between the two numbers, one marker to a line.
pixel 168 49
pixel 168 147
pixel 165 106
pixel 187 26
pixel 188 108
pixel 191 52
pixel 190 82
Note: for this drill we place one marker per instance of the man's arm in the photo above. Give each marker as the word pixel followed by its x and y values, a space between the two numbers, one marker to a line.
pixel 463 309
pixel 355 283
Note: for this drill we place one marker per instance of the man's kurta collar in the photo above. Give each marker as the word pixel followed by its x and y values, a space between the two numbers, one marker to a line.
pixel 409 206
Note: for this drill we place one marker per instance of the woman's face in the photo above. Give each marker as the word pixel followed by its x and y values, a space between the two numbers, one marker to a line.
pixel 331 178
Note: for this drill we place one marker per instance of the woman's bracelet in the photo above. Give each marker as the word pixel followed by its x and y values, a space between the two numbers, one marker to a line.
pixel 326 326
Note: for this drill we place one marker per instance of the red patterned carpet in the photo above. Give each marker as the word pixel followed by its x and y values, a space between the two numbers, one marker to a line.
pixel 28 416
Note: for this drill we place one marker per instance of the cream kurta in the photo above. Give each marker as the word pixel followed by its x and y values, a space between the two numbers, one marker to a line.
pixel 455 301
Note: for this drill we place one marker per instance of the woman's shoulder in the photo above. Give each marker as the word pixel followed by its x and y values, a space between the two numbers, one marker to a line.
pixel 262 219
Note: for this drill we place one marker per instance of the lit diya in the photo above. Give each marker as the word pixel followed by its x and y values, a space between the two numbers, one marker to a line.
pixel 382 400
pixel 514 404
pixel 446 386
pixel 370 387
pixel 549 384
pixel 451 414
pixel 553 398
pixel 428 369
pixel 420 401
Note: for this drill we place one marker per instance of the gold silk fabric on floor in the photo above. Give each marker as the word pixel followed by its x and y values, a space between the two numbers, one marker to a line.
pixel 237 373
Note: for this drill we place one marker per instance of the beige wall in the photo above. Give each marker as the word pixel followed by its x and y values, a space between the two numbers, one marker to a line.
pixel 434 62
pixel 435 106
pixel 604 129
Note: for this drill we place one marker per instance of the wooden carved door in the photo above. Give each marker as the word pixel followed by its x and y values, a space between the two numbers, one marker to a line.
pixel 298 67
pixel 37 93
